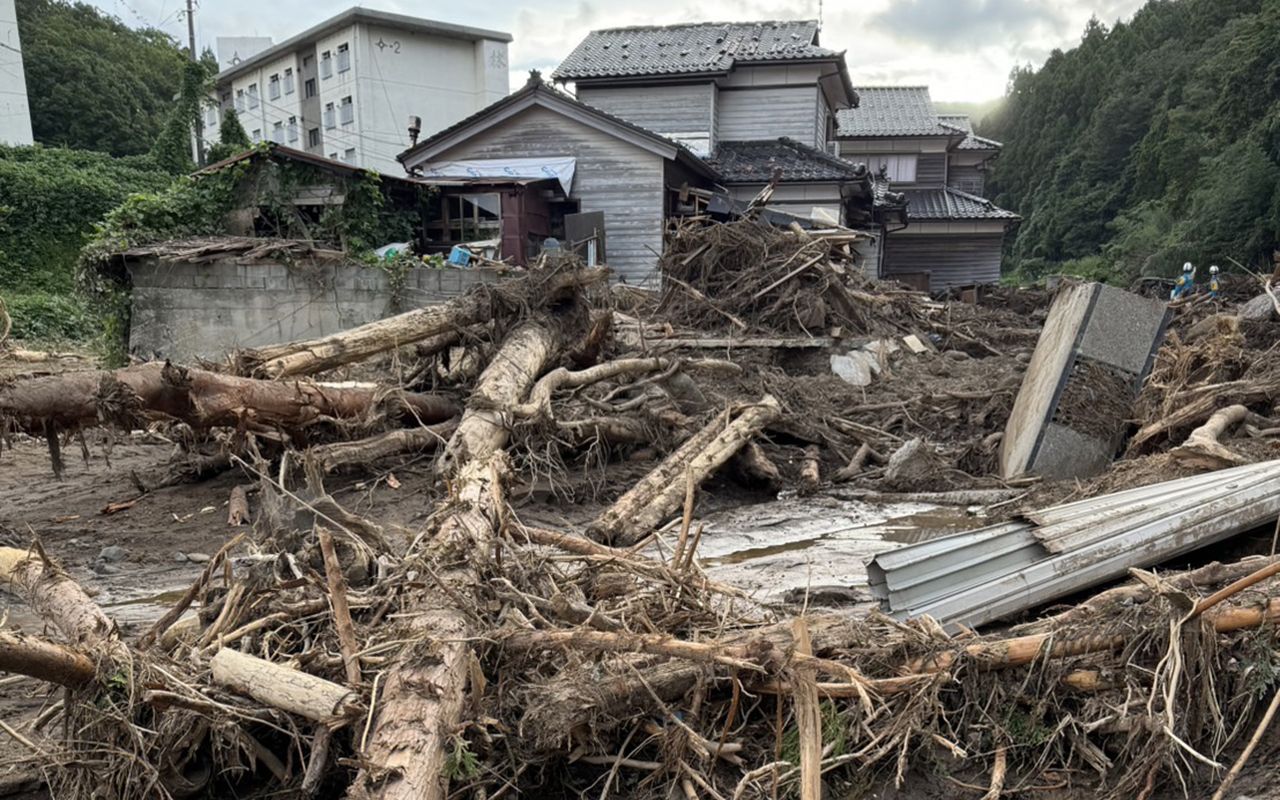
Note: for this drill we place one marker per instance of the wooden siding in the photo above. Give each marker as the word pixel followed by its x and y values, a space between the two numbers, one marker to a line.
pixel 931 169
pixel 950 260
pixel 824 117
pixel 673 108
pixel 754 114
pixel 967 179
pixel 798 199
pixel 612 176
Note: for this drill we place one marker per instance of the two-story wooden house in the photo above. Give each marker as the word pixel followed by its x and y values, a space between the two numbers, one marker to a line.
pixel 656 108
pixel 955 236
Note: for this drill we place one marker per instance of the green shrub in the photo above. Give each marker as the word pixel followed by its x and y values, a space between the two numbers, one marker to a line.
pixel 46 317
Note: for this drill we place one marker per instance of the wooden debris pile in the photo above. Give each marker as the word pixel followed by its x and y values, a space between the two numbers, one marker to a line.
pixel 477 653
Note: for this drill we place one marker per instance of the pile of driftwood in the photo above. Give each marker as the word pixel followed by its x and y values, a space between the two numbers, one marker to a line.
pixel 332 654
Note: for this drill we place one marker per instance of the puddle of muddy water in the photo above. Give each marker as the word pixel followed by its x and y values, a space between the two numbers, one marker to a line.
pixel 796 544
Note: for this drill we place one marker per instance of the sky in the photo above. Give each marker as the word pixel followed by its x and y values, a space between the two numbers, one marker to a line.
pixel 962 49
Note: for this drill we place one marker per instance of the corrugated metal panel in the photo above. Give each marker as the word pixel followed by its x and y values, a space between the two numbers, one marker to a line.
pixel 674 108
pixel 980 576
pixel 613 176
pixel 950 260
pixel 747 114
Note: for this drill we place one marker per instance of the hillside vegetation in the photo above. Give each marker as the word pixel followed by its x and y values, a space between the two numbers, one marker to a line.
pixel 1150 144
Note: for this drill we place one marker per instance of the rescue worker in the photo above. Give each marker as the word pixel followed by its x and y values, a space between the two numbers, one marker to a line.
pixel 1213 282
pixel 1186 283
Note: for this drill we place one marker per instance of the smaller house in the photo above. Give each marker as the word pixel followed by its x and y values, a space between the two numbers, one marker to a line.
pixel 954 236
pixel 575 160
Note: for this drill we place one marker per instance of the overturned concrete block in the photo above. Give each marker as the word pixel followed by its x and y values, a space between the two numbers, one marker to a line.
pixel 1070 416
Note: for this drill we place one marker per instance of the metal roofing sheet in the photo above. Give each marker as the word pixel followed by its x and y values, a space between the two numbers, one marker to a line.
pixel 885 111
pixel 948 203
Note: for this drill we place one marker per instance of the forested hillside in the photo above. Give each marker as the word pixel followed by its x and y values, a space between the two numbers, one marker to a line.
pixel 1148 145
pixel 93 82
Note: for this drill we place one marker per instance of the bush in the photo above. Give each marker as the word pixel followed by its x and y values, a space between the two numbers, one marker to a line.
pixel 46 317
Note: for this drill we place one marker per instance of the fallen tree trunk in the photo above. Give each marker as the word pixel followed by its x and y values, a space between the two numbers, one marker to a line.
pixel 1202 448
pixel 408 440
pixel 283 687
pixel 37 658
pixel 423 703
pixel 659 494
pixel 58 599
pixel 131 396
pixel 356 344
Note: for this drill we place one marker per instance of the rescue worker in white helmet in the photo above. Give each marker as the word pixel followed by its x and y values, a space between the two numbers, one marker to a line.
pixel 1186 282
pixel 1214 285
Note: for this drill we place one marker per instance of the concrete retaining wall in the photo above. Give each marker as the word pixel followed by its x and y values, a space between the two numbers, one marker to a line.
pixel 189 311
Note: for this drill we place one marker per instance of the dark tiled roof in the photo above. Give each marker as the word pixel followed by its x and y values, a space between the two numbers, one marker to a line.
pixel 754 162
pixel 972 141
pixel 705 47
pixel 891 111
pixel 948 203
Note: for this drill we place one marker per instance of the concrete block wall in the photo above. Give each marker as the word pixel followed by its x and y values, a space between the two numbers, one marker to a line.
pixel 185 311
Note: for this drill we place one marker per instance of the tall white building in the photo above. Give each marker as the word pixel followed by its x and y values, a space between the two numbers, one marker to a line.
pixel 345 89
pixel 15 114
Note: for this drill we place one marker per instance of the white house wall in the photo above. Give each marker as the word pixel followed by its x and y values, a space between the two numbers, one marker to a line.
pixel 613 176
pixel 15 113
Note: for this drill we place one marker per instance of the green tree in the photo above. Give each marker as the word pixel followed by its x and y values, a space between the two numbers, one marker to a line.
pixel 93 82
pixel 232 138
pixel 172 149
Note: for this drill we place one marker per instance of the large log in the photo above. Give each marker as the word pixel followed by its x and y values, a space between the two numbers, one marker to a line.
pixel 284 688
pixel 408 440
pixel 423 702
pixel 638 512
pixel 57 598
pixel 356 344
pixel 128 397
pixel 37 658
pixel 1204 450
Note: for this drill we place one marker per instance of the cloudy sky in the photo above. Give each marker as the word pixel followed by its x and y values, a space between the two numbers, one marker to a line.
pixel 963 49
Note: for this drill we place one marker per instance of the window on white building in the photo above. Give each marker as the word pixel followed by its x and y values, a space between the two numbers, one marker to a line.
pixel 326 64
pixel 257 135
pixel 288 81
pixel 253 95
pixel 900 168
pixel 349 155
pixel 240 101
pixel 344 58
pixel 277 133
pixel 273 87
pixel 333 156
pixel 330 119
pixel 313 137
pixel 210 116
pixel 293 129
pixel 309 88
pixel 348 111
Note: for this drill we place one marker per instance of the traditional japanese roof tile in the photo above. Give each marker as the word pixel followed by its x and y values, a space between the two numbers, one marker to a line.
pixel 891 111
pixel 755 161
pixel 972 141
pixel 703 47
pixel 948 203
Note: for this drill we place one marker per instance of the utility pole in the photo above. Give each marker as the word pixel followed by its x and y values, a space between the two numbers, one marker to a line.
pixel 195 58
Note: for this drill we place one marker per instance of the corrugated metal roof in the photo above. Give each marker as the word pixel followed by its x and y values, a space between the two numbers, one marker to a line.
pixel 975 577
pixel 754 162
pixel 947 203
pixel 704 47
pixel 885 111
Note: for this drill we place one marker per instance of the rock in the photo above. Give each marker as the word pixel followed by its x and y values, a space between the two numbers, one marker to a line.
pixel 1259 308
pixel 1024 357
pixel 113 553
pixel 913 465
pixel 181 558
pixel 198 558
pixel 103 568
pixel 956 355
pixel 857 367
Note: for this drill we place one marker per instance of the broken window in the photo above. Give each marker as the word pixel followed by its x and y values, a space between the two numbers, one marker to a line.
pixel 474 217
pixel 899 167
pixel 344 58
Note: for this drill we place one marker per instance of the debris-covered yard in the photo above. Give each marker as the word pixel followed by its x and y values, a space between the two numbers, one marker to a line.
pixel 558 537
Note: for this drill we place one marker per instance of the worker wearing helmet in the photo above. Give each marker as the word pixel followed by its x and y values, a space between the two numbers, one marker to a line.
pixel 1213 282
pixel 1186 282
